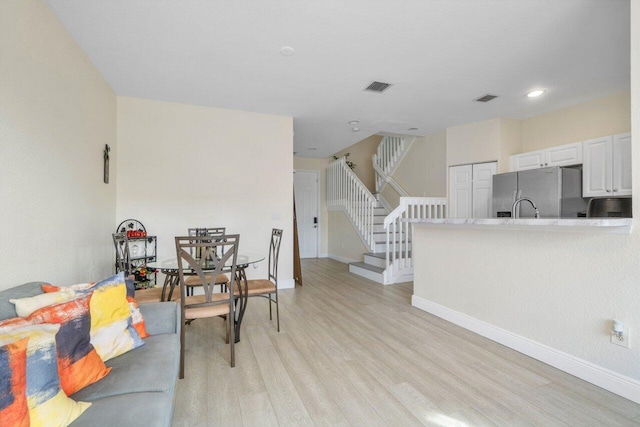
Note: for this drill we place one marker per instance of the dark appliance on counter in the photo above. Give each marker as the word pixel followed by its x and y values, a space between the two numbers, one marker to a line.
pixel 556 191
pixel 609 207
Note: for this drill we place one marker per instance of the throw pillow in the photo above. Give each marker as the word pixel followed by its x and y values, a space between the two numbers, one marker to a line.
pixel 137 321
pixel 78 362
pixel 47 403
pixel 13 383
pixel 26 306
pixel 112 333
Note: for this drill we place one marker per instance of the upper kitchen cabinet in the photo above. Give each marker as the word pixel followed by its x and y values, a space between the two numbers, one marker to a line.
pixel 607 166
pixel 563 155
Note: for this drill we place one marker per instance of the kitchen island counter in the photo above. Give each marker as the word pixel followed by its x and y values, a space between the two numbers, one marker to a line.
pixel 594 225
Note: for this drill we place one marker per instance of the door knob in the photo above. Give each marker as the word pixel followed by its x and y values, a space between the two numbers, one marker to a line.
pixel 615 189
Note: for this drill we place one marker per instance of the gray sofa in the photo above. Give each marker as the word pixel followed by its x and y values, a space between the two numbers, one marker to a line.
pixel 139 390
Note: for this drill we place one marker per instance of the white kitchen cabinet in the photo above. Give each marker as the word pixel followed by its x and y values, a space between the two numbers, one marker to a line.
pixel 470 190
pixel 529 160
pixel 563 155
pixel 607 166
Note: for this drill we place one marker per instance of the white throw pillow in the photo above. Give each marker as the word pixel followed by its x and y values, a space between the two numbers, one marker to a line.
pixel 26 306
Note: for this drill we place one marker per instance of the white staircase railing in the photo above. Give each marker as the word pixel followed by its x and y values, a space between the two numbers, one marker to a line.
pixel 383 177
pixel 346 191
pixel 390 151
pixel 400 232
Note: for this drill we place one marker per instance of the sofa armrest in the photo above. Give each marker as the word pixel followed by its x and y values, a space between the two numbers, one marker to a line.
pixel 161 317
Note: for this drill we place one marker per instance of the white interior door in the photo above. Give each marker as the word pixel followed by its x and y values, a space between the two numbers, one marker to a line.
pixel 305 186
pixel 460 192
pixel 483 188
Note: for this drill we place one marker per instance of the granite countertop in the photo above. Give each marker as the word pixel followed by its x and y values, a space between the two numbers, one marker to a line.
pixel 597 225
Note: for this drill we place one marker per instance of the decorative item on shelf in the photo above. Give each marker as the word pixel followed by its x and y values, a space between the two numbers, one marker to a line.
pixel 349 163
pixel 136 233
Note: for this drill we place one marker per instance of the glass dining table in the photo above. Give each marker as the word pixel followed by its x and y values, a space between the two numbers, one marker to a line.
pixel 169 267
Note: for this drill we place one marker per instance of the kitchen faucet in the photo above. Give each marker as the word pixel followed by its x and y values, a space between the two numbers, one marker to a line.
pixel 514 211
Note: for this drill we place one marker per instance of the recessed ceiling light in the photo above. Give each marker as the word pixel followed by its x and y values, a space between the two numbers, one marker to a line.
pixel 535 93
pixel 312 149
pixel 412 129
pixel 354 122
pixel 355 129
pixel 287 50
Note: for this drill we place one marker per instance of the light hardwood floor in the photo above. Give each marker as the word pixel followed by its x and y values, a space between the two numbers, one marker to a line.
pixel 353 352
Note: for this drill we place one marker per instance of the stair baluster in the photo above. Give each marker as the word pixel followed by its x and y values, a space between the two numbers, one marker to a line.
pixel 348 193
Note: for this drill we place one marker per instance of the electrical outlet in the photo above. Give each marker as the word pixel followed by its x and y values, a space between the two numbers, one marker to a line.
pixel 625 342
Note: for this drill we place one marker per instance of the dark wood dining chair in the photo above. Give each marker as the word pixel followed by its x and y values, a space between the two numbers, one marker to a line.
pixel 208 264
pixel 193 281
pixel 268 288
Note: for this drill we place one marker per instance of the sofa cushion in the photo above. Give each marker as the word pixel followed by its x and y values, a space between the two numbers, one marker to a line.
pixel 152 367
pixel 129 410
pixel 161 317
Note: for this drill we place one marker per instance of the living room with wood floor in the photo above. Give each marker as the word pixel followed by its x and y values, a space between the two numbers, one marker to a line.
pixel 354 155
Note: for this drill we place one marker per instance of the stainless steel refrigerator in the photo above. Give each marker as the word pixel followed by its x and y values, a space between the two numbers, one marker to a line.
pixel 556 191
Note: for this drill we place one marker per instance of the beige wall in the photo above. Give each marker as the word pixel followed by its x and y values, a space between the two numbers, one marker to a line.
pixel 490 140
pixel 305 163
pixel 423 171
pixel 344 243
pixel 558 289
pixel 510 142
pixel 604 116
pixel 56 115
pixel 183 166
pixel 361 154
pixel 473 143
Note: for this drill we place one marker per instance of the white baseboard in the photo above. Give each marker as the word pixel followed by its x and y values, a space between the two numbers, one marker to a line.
pixel 624 386
pixel 286 284
pixel 342 259
pixel 323 255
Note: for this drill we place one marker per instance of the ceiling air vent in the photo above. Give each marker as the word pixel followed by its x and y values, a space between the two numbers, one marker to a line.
pixel 486 98
pixel 378 87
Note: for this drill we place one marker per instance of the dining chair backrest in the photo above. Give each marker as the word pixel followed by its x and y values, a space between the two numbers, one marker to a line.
pixel 206 231
pixel 214 232
pixel 123 257
pixel 274 253
pixel 209 261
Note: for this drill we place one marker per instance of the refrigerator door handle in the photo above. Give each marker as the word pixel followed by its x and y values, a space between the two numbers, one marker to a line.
pixel 516 195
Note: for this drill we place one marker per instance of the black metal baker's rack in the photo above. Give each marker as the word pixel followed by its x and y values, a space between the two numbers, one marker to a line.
pixel 142 249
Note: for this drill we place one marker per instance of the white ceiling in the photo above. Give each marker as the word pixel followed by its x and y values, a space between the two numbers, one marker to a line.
pixel 439 55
